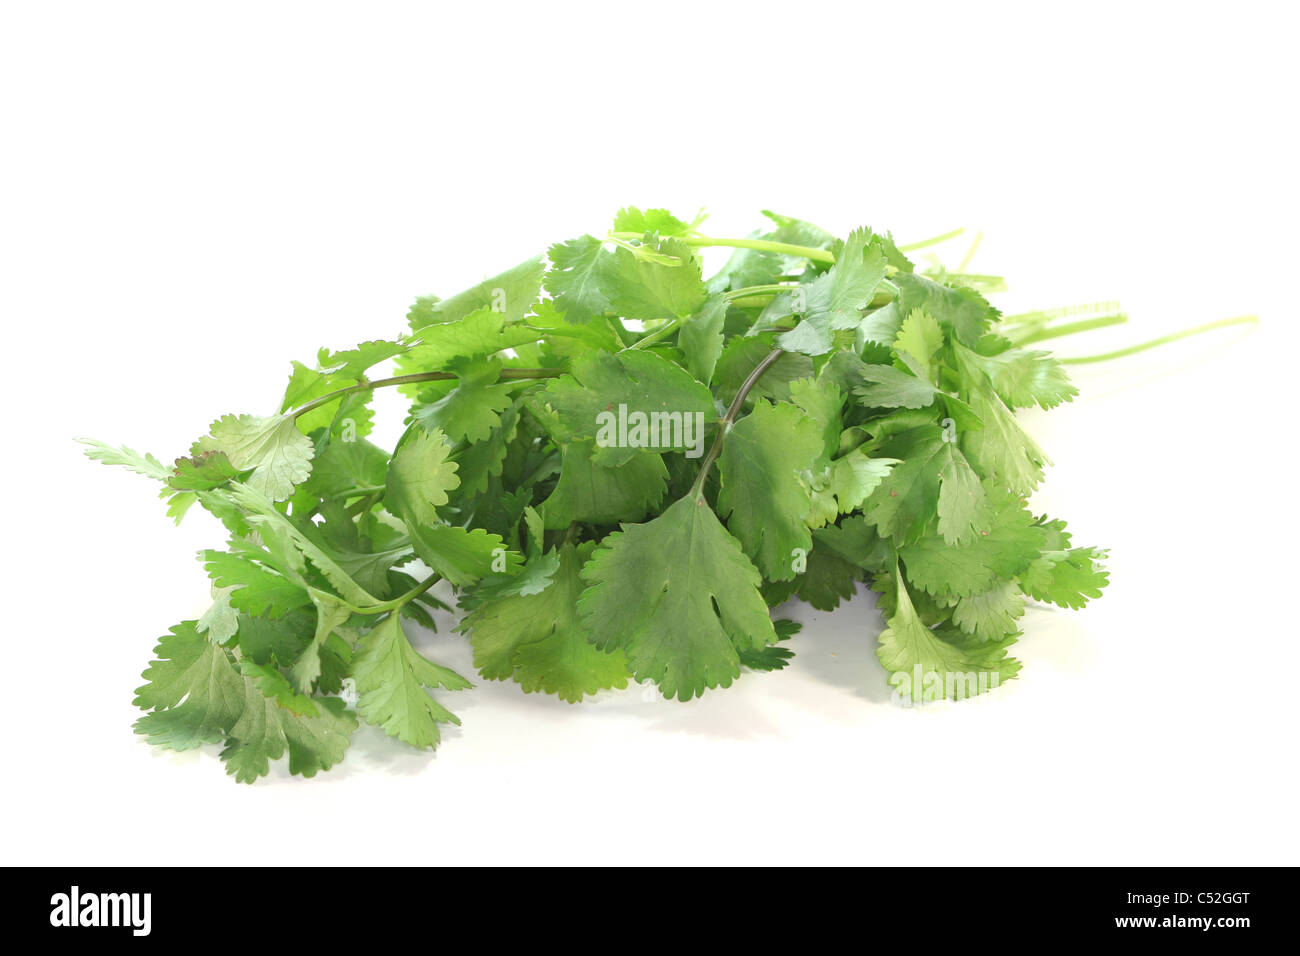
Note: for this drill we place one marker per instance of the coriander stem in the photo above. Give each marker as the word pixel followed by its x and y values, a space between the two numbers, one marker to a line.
pixel 655 336
pixel 507 373
pixel 1083 325
pixel 1162 340
pixel 771 289
pixel 932 241
pixel 724 426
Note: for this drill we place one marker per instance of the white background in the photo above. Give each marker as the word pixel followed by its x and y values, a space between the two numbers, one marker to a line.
pixel 195 194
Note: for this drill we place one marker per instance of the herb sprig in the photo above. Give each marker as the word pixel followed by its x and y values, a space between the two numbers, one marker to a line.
pixel 619 468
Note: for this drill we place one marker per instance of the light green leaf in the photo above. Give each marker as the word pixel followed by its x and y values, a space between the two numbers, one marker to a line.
pixel 391 678
pixel 277 453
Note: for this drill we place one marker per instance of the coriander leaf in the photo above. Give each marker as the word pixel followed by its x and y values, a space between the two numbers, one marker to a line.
pixel 828 580
pixel 265 730
pixel 478 334
pixel 1066 578
pixel 918 339
pixel 275 529
pixel 990 615
pixel 595 494
pixel 539 640
pixel 331 614
pixel 419 477
pixel 646 397
pixel 742 354
pixel 658 221
pixel 391 678
pixel 255 589
pixel 835 300
pixel 203 472
pixel 678 596
pixel 277 453
pixel 194 692
pixel 701 338
pixel 472 409
pixel 509 294
pixel 220 622
pixel 961 498
pixel 762 497
pixel 461 555
pixel 964 311
pixel 483 460
pixel 146 464
pixel 926 664
pixel 1001 449
pixel 1011 542
pixel 823 401
pixel 648 289
pixel 581 278
pixel 855 476
pixel 355 362
pixel 1025 377
pixel 890 388
pixel 912 494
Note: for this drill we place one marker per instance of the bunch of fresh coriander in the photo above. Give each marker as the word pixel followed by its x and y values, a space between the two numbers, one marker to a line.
pixel 620 468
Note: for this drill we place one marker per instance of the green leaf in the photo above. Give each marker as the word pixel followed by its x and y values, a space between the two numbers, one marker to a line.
pixel 146 464
pixel 678 596
pixel 990 615
pixel 1025 377
pixel 1001 449
pixel 649 289
pixel 355 362
pixel 913 493
pixel 823 401
pixel 762 497
pixel 265 730
pixel 1066 578
pixel 701 338
pixel 835 300
pixel 1011 542
pixel 461 555
pixel 539 640
pixel 391 678
pixel 604 393
pixel 594 494
pixel 927 664
pixel 658 221
pixel 255 589
pixel 277 453
pixel 194 692
pixel 419 477
pixel 918 339
pixel 478 334
pixel 581 278
pixel 472 409
pixel 890 388
pixel 510 294
pixel 965 312
pixel 203 472
pixel 855 476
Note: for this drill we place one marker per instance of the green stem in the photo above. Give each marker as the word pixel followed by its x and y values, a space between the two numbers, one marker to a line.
pixel 756 290
pixel 933 241
pixel 1162 340
pixel 724 426
pixel 1070 328
pixel 656 335
pixel 506 373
